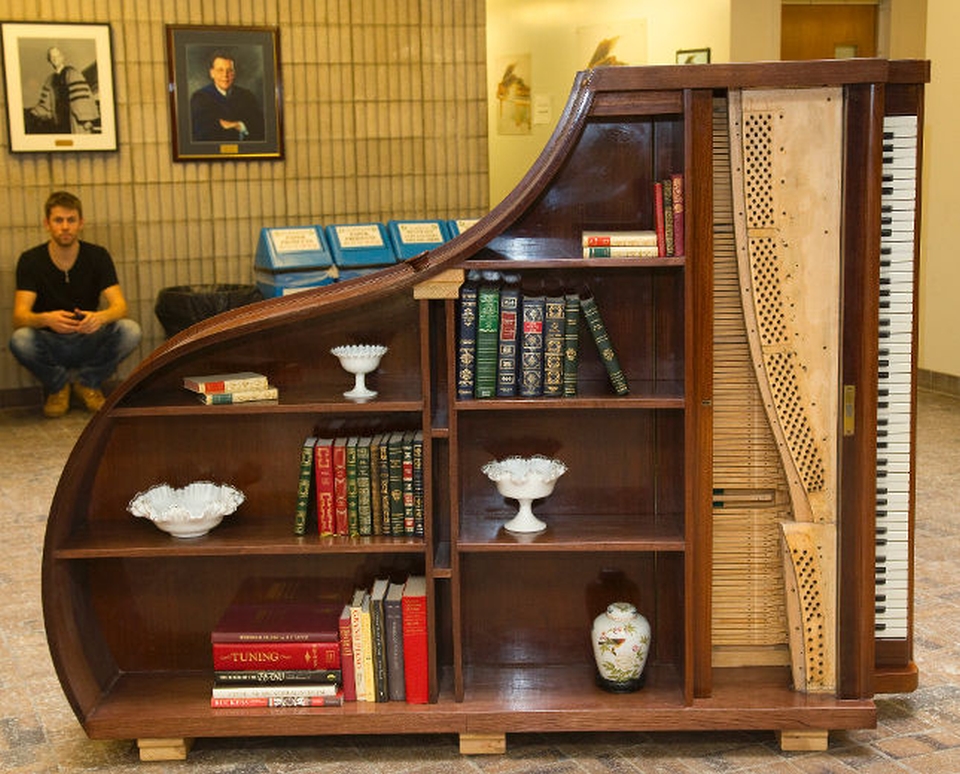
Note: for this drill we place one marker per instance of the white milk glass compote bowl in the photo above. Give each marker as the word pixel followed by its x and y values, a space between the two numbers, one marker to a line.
pixel 359 360
pixel 525 479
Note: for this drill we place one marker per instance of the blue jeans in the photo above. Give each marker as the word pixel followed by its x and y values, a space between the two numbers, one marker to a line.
pixel 57 359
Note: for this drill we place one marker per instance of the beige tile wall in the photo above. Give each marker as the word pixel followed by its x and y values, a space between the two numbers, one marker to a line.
pixel 384 116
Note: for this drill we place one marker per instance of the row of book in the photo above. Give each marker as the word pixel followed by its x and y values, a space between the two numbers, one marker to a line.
pixel 514 344
pixel 235 387
pixel 282 643
pixel 361 485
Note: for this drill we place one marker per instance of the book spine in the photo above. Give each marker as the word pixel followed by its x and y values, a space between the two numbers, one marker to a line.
pixel 265 691
pixel 554 315
pixel 667 188
pixel 418 493
pixel 378 637
pixel 679 237
pixel 238 396
pixel 409 519
pixel 396 484
pixel 353 517
pixel 619 239
pixel 488 319
pixel 277 701
pixel 240 384
pixel 303 487
pixel 624 251
pixel 229 656
pixel 467 341
pixel 385 527
pixel 356 638
pixel 323 468
pixel 340 486
pixel 508 342
pixel 415 656
pixel 278 676
pixel 364 506
pixel 531 347
pixel 571 345
pixel 658 219
pixel 608 355
pixel 393 636
pixel 369 682
pixel 376 515
pixel 348 679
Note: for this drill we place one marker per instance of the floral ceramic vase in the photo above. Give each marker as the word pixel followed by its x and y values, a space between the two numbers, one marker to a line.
pixel 621 642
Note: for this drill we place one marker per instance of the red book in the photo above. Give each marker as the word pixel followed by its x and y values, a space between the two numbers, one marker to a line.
pixel 340 486
pixel 659 218
pixel 278 701
pixel 415 655
pixel 347 677
pixel 677 185
pixel 276 655
pixel 278 622
pixel 323 470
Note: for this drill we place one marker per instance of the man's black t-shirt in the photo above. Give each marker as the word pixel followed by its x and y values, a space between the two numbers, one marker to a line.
pixel 78 288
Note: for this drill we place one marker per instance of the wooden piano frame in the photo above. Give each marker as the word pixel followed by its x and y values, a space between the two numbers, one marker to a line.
pixel 128 610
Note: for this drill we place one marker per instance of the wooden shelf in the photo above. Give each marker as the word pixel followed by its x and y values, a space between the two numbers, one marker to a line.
pixel 513 700
pixel 141 539
pixel 572 533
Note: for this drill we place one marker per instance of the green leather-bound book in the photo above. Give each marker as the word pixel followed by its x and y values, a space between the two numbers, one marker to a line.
pixel 591 313
pixel 571 344
pixel 488 326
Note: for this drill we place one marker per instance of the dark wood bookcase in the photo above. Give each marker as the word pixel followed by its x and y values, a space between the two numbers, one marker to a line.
pixel 128 610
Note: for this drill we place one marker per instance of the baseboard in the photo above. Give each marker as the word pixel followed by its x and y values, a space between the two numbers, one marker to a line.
pixel 18 397
pixel 937 382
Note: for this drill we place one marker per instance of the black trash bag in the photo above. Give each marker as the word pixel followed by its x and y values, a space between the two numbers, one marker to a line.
pixel 181 306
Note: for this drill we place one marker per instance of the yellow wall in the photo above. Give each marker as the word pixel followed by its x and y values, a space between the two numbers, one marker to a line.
pixel 384 111
pixel 552 31
pixel 940 264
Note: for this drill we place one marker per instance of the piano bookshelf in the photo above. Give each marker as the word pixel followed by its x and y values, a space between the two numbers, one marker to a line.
pixel 756 513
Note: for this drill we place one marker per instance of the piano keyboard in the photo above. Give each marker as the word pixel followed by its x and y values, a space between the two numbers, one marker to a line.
pixel 894 404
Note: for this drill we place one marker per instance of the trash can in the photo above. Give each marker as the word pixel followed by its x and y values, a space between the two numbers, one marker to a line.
pixel 180 306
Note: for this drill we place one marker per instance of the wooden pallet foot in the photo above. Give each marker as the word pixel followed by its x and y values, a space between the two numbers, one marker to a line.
pixel 803 741
pixel 483 744
pixel 166 749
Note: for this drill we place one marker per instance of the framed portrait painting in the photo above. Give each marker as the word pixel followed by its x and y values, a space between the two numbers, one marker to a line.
pixel 59 86
pixel 225 92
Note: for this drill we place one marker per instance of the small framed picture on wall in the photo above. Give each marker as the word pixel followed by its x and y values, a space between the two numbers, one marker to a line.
pixel 693 56
pixel 59 87
pixel 225 92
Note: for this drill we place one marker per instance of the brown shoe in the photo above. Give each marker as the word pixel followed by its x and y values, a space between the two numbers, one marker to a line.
pixel 92 397
pixel 57 403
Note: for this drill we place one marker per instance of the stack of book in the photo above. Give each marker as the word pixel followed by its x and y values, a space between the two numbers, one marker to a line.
pixel 513 344
pixel 361 485
pixel 236 387
pixel 620 244
pixel 277 645
pixel 383 640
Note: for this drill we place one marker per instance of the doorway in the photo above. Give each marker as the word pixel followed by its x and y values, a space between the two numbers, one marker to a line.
pixel 828 31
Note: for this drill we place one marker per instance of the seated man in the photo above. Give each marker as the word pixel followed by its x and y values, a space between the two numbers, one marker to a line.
pixel 61 333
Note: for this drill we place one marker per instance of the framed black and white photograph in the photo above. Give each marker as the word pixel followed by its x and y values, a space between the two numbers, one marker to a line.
pixel 225 92
pixel 59 87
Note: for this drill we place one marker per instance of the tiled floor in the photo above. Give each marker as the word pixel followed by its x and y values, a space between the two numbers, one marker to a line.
pixel 919 732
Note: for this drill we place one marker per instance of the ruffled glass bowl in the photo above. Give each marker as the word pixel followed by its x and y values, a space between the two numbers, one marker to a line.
pixel 525 479
pixel 186 512
pixel 359 360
